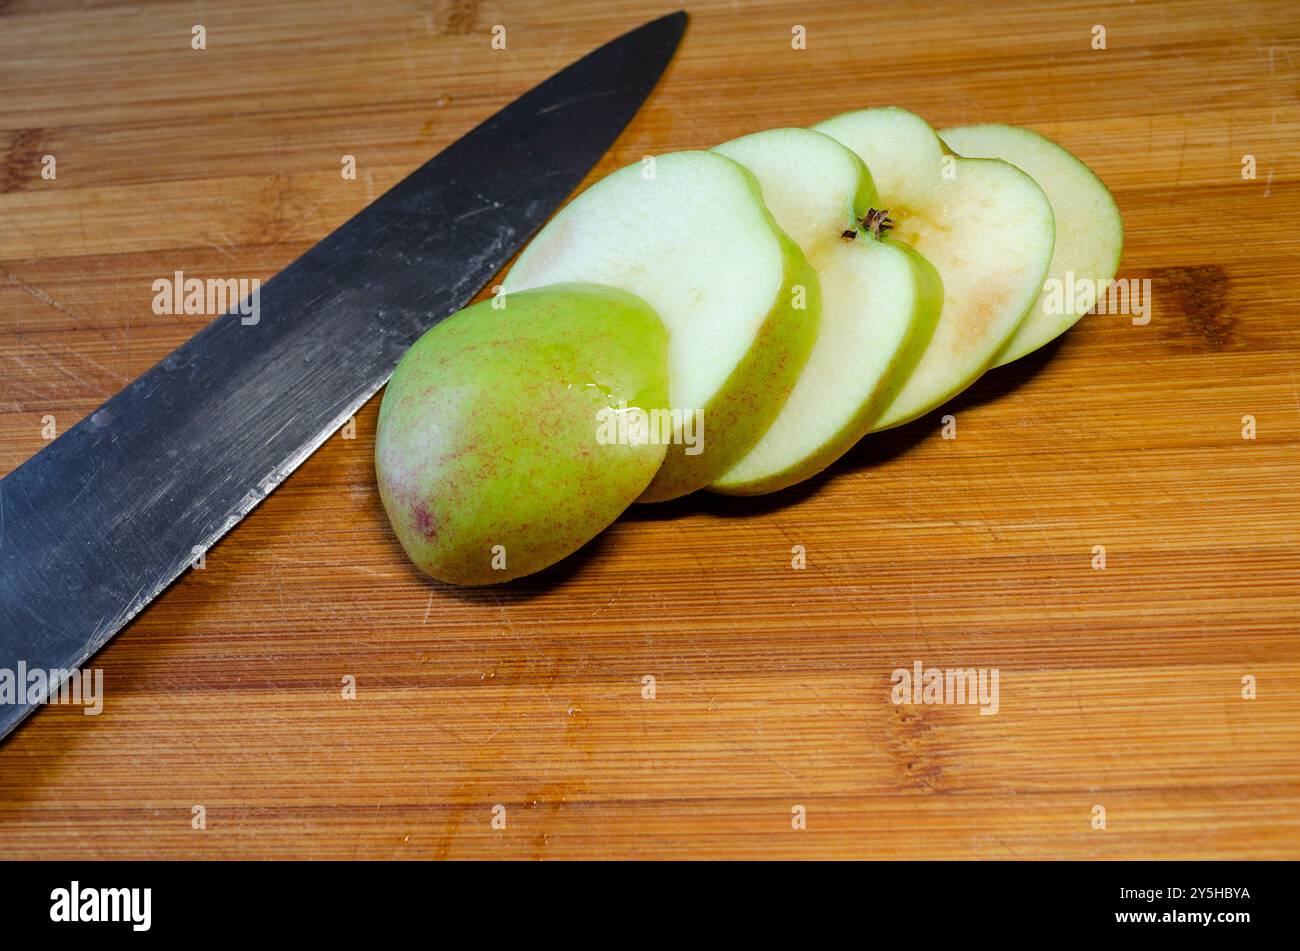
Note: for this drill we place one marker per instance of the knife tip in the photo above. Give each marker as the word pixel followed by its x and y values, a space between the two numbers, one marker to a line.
pixel 677 19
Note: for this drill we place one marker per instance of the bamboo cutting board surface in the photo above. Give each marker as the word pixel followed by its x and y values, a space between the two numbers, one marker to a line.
pixel 1120 688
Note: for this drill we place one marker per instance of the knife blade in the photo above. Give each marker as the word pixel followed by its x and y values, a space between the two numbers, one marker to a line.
pixel 102 519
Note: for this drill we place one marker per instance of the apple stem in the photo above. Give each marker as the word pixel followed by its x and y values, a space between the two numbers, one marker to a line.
pixel 877 222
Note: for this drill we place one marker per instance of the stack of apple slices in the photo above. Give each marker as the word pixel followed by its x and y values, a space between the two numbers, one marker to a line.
pixel 734 320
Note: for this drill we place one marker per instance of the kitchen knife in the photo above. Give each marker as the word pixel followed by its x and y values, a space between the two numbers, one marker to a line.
pixel 95 525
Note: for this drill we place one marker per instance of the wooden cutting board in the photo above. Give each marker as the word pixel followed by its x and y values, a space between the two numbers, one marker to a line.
pixel 1120 688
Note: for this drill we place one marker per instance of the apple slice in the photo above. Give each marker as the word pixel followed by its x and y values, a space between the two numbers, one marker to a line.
pixel 688 232
pixel 880 301
pixel 985 225
pixel 1089 232
pixel 498 449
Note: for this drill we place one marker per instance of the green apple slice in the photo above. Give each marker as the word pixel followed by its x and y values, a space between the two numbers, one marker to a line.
pixel 1089 232
pixel 880 301
pixel 495 454
pixel 688 232
pixel 985 225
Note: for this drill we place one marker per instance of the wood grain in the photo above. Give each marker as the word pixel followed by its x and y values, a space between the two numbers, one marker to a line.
pixel 1119 687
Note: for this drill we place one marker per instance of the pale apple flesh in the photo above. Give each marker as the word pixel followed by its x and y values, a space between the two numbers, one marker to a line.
pixel 987 228
pixel 1089 231
pixel 880 301
pixel 688 232
pixel 494 455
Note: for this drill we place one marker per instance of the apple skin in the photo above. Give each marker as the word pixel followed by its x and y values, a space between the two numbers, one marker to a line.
pixel 488 430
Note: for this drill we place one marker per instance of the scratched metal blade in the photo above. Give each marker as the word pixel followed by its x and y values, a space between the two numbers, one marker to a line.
pixel 94 526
